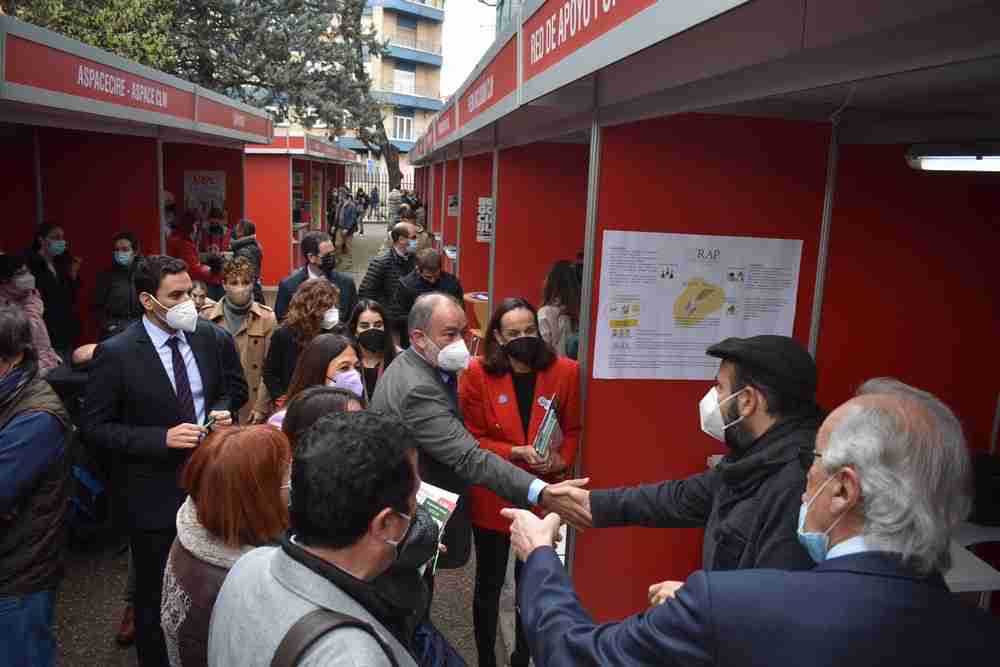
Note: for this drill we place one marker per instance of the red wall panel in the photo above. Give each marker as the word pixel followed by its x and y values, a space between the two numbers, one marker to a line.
pixel 689 174
pixel 178 158
pixel 17 173
pixel 541 215
pixel 909 290
pixel 434 211
pixel 474 256
pixel 96 185
pixel 451 189
pixel 269 207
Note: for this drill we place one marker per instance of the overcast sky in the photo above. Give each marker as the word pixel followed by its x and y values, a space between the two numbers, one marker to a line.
pixel 468 33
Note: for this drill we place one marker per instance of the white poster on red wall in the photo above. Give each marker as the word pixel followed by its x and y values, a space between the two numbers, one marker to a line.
pixel 666 298
pixel 205 191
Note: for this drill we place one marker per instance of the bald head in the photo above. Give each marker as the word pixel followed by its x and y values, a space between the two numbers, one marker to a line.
pixel 401 234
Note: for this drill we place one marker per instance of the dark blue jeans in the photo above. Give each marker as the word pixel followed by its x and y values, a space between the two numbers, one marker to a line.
pixel 26 638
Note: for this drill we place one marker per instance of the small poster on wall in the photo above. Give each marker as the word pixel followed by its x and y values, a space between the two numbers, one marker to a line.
pixel 205 191
pixel 665 298
pixel 484 220
pixel 452 206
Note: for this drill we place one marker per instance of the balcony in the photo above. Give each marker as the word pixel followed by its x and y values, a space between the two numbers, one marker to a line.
pixel 404 94
pixel 431 10
pixel 413 55
pixel 408 40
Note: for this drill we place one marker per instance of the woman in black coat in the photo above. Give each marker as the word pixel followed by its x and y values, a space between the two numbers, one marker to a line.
pixel 56 274
pixel 114 302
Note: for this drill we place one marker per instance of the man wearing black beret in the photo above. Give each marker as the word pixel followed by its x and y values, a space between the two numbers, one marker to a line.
pixel 763 407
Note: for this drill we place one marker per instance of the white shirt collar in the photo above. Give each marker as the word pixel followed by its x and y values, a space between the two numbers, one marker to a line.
pixel 850 546
pixel 313 272
pixel 158 335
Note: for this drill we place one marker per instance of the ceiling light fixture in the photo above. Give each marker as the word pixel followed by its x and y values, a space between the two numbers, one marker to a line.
pixel 961 158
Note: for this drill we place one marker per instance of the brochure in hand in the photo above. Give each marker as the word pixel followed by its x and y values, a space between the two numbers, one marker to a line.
pixel 440 504
pixel 549 434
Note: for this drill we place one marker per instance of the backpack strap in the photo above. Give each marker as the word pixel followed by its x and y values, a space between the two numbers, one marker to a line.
pixel 312 627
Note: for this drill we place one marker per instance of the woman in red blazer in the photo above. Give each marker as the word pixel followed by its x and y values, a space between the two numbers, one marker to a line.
pixel 503 397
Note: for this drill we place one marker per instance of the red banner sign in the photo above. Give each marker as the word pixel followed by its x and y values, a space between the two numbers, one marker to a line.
pixel 320 147
pixel 497 81
pixel 445 124
pixel 39 66
pixel 560 27
pixel 230 117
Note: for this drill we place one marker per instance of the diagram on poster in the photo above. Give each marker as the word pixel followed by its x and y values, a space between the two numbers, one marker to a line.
pixel 665 298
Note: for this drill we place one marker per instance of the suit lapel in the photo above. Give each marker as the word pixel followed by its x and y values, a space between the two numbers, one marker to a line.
pixel 149 357
pixel 200 341
pixel 503 398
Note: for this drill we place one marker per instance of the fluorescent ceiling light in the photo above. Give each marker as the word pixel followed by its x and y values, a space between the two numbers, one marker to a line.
pixel 957 163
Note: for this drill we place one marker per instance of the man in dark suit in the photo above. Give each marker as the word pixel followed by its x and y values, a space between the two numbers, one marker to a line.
pixel 887 483
pixel 153 388
pixel 321 258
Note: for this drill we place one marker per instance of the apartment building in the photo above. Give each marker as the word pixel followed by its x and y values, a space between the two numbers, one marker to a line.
pixel 408 78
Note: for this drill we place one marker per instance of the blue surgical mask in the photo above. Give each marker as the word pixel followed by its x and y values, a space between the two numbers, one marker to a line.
pixel 817 544
pixel 411 245
pixel 57 247
pixel 123 257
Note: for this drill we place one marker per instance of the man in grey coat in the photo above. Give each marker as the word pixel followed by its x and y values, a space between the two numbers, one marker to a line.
pixel 420 387
pixel 353 493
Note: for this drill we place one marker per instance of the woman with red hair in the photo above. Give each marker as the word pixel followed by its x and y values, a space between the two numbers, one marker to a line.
pixel 237 484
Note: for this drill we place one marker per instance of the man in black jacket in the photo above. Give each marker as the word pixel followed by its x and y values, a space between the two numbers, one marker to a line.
pixel 152 390
pixel 426 276
pixel 762 406
pixel 381 282
pixel 321 258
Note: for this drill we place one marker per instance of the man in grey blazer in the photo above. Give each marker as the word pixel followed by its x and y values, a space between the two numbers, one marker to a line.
pixel 420 388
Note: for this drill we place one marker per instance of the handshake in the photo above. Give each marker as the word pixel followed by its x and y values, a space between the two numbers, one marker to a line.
pixel 566 501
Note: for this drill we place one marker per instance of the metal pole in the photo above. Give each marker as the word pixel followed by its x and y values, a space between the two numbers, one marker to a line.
pixel 39 199
pixel 493 236
pixel 832 162
pixel 444 195
pixel 996 428
pixel 159 196
pixel 458 223
pixel 586 301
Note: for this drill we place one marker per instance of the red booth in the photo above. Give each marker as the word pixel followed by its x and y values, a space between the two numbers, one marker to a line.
pixel 288 182
pixel 767 121
pixel 90 140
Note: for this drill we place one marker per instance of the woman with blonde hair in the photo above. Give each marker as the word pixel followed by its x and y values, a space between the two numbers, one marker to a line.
pixel 312 311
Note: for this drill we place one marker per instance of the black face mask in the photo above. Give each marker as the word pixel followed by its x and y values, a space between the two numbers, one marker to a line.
pixel 524 349
pixel 328 261
pixel 372 340
pixel 419 544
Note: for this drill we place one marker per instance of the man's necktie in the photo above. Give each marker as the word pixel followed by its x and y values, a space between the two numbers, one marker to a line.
pixel 185 400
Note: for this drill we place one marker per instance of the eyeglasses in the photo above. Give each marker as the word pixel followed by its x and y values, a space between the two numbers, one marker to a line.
pixel 806 457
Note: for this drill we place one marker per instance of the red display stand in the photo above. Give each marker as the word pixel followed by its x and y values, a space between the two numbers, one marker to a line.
pixel 288 182
pixel 89 140
pixel 473 254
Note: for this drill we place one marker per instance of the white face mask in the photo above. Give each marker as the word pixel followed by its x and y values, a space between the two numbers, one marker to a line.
pixel 452 358
pixel 710 414
pixel 24 282
pixel 331 318
pixel 183 316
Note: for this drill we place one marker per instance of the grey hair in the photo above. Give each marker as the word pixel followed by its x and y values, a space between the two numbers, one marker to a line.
pixel 424 307
pixel 913 463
